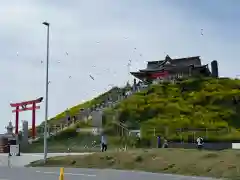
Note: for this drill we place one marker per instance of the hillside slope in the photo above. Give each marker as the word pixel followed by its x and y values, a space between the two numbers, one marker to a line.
pixel 210 107
pixel 206 107
pixel 102 101
pixel 67 132
pixel 112 93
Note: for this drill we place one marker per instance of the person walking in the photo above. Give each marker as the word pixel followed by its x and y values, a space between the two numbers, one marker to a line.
pixel 159 143
pixel 103 143
pixel 165 144
pixel 200 143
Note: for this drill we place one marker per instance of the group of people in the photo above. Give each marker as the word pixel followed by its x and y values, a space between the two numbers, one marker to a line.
pixel 199 143
pixel 160 144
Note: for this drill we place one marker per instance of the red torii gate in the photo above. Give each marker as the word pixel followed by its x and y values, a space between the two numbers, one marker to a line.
pixel 22 106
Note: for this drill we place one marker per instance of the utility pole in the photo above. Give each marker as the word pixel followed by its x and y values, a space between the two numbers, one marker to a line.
pixel 46 96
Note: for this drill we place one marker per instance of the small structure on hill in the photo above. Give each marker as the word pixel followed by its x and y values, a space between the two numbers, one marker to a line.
pixel 214 66
pixel 170 69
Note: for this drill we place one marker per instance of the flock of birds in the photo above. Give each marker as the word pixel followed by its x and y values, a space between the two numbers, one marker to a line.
pixel 94 66
pixel 129 64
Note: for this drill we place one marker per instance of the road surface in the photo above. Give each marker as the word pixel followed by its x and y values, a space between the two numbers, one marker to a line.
pixel 17 171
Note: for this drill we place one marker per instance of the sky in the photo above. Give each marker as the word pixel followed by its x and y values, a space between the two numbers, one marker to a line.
pixel 98 38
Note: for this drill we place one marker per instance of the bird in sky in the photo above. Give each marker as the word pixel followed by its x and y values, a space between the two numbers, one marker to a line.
pixel 91 77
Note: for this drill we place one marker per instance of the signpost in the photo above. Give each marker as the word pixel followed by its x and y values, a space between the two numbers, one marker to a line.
pixel 23 106
pixel 14 150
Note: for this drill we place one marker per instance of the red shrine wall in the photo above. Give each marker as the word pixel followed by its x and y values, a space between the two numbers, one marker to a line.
pixel 159 75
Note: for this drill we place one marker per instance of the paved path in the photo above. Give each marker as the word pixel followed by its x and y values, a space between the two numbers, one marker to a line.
pixel 26 158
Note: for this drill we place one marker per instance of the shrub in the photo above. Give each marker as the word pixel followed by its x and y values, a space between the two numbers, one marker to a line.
pixel 68 133
pixel 192 103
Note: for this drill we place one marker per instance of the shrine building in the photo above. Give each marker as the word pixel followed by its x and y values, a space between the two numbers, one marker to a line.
pixel 170 69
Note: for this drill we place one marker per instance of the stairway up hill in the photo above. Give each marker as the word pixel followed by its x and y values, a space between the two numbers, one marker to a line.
pixel 79 114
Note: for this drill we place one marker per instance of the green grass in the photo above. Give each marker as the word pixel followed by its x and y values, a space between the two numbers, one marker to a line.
pixel 98 100
pixel 162 109
pixel 194 103
pixel 221 164
pixel 76 141
pixel 61 146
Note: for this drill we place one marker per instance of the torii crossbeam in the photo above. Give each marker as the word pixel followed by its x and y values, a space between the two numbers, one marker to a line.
pixel 22 106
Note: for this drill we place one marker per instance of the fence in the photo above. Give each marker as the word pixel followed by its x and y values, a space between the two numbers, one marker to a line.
pixel 186 134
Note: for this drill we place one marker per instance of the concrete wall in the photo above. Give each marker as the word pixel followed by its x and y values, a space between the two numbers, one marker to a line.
pixel 207 146
pixel 97 118
pixel 235 145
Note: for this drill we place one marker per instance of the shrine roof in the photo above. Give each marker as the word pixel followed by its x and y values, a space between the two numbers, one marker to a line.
pixel 176 59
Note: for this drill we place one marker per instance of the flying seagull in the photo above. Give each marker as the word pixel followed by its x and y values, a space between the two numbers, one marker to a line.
pixel 91 77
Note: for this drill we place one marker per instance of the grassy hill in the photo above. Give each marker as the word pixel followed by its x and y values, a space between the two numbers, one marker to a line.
pixel 210 107
pixel 218 164
pixel 70 135
pixel 189 108
pixel 89 104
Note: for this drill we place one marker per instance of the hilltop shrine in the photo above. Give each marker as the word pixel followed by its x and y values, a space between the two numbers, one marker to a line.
pixel 170 69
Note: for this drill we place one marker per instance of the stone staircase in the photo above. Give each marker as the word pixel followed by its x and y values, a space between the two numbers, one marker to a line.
pixel 85 115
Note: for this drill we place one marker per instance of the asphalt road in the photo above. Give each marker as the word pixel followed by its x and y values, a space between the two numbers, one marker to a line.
pixel 17 171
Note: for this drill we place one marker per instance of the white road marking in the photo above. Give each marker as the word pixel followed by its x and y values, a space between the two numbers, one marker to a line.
pixel 37 155
pixel 66 173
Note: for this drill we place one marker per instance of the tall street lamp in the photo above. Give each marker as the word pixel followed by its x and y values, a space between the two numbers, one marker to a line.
pixel 46 96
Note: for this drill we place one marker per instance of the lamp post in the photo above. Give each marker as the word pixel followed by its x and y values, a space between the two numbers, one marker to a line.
pixel 46 96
